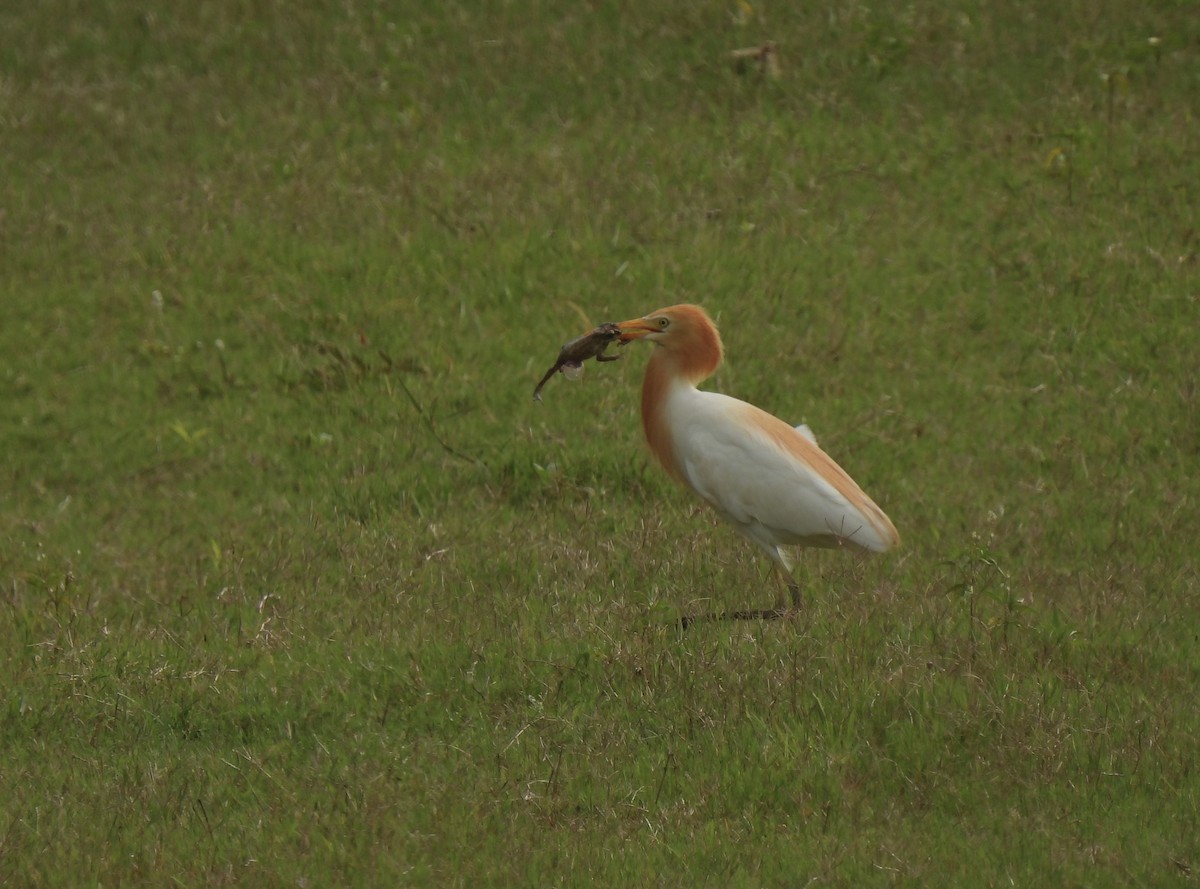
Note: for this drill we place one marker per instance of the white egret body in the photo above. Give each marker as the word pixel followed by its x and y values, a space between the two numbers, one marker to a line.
pixel 768 479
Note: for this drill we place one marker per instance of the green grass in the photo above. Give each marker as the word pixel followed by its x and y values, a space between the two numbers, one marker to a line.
pixel 300 588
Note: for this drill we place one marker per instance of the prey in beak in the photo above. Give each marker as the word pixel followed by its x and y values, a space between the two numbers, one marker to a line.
pixel 572 355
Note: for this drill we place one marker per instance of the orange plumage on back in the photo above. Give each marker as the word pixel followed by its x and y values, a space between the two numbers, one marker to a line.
pixel 773 484
pixel 811 454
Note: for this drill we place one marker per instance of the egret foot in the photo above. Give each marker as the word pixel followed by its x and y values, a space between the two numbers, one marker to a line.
pixel 751 614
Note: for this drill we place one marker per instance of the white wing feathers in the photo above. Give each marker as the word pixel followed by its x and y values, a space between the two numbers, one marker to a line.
pixel 731 455
pixel 806 432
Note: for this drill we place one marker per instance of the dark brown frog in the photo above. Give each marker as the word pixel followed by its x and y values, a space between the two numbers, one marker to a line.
pixel 572 355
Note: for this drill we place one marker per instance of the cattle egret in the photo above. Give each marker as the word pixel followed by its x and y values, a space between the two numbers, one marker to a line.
pixel 768 479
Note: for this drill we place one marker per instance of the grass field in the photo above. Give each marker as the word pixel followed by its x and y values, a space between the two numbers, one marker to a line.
pixel 300 588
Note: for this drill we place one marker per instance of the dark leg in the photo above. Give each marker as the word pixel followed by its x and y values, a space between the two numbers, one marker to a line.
pixel 781 608
pixel 794 590
pixel 752 614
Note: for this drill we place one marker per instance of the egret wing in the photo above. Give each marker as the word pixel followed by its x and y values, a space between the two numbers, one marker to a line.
pixel 771 480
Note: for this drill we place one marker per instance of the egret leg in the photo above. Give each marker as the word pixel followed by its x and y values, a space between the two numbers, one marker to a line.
pixel 793 590
pixel 751 614
pixel 784 562
pixel 789 590
pixel 781 608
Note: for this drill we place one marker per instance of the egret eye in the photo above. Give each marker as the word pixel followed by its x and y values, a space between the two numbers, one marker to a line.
pixel 662 323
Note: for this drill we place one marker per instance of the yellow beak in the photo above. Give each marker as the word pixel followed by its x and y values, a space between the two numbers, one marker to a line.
pixel 635 329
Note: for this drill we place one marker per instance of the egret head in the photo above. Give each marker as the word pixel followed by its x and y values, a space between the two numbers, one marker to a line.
pixel 672 324
pixel 685 332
